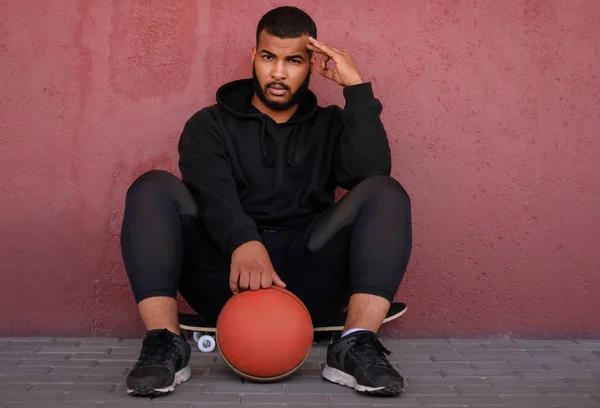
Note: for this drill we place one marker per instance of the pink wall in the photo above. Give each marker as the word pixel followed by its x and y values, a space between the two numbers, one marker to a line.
pixel 493 108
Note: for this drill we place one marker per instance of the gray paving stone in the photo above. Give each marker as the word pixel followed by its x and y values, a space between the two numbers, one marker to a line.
pixel 13 387
pixel 89 370
pixel 504 365
pixel 426 390
pixel 136 403
pixel 282 398
pixel 550 382
pixel 312 406
pixel 128 351
pixel 11 361
pixel 56 362
pixel 497 390
pixel 237 405
pixel 31 397
pixel 447 381
pixel 21 350
pixel 112 363
pixel 518 346
pixel 572 365
pixel 103 379
pixel 74 350
pixel 409 358
pixel 90 341
pixel 523 357
pixel 423 341
pixel 480 341
pixel 194 398
pixel 590 346
pixel 99 357
pixel 71 387
pixel 583 381
pixel 458 372
pixel 360 399
pixel 10 370
pixel 465 358
pixel 78 396
pixel 555 373
pixel 39 379
pixel 244 388
pixel 550 400
pixel 54 405
pixel 318 388
pixel 143 402
pixel 40 344
pixel 567 390
pixel 436 366
pixel 462 400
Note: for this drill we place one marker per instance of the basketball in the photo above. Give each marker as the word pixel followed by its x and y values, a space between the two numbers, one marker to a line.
pixel 264 335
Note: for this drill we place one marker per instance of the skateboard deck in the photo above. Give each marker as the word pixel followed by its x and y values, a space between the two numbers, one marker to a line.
pixel 203 332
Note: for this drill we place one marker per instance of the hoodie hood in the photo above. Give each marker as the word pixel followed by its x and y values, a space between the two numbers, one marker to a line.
pixel 235 98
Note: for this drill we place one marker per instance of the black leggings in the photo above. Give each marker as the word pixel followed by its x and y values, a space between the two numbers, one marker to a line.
pixel 361 245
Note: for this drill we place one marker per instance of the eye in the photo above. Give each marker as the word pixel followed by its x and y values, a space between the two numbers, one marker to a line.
pixel 295 61
pixel 267 57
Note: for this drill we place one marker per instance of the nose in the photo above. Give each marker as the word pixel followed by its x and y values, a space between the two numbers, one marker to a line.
pixel 278 72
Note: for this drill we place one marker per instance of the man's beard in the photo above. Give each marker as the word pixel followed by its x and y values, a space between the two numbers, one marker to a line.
pixel 280 106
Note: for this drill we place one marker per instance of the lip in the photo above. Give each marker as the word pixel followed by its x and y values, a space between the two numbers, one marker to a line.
pixel 277 90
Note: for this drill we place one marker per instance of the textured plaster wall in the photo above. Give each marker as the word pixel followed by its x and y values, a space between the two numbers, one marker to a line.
pixel 492 108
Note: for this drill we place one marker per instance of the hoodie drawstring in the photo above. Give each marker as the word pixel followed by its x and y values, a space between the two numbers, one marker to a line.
pixel 292 160
pixel 266 159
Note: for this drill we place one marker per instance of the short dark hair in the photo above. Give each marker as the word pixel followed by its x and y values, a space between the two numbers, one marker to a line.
pixel 286 22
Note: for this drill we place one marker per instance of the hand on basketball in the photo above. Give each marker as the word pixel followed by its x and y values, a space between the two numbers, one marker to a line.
pixel 251 268
pixel 345 72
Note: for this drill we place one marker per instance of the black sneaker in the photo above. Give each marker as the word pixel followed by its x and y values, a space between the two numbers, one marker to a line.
pixel 359 361
pixel 163 364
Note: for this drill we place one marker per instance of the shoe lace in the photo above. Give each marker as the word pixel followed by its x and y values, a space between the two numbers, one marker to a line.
pixel 372 351
pixel 158 348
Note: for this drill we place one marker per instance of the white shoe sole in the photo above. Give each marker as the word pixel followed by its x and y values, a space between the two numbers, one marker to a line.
pixel 339 377
pixel 180 376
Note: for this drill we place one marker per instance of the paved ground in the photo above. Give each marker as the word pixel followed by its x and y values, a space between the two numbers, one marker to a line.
pixel 64 372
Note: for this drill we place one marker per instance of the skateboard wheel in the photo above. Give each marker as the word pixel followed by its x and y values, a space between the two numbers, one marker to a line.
pixel 206 344
pixel 196 336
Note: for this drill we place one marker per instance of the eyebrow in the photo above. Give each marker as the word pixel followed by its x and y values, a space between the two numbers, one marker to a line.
pixel 289 57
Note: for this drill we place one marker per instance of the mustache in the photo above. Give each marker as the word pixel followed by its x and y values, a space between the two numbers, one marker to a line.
pixel 281 84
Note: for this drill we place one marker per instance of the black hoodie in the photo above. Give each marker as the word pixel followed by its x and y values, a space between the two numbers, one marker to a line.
pixel 247 172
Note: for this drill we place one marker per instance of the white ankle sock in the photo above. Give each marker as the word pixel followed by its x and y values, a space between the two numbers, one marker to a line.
pixel 350 331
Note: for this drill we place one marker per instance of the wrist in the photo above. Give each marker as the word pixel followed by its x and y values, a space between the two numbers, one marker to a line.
pixel 355 81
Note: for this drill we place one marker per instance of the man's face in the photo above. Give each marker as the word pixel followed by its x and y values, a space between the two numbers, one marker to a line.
pixel 281 70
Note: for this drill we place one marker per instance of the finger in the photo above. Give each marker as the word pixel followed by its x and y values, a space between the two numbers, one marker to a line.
pixel 255 279
pixel 328 49
pixel 277 280
pixel 324 60
pixel 315 49
pixel 234 277
pixel 244 279
pixel 326 72
pixel 266 279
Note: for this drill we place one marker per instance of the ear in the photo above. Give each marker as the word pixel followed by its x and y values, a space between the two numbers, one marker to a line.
pixel 253 53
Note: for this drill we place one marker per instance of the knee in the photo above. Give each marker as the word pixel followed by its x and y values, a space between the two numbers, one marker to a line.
pixel 151 183
pixel 385 189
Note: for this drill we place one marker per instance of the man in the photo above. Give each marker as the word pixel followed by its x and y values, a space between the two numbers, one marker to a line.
pixel 256 208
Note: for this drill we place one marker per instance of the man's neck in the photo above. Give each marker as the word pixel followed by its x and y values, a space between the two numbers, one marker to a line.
pixel 278 116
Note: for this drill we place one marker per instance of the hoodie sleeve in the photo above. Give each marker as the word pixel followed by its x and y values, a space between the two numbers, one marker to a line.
pixel 206 170
pixel 362 149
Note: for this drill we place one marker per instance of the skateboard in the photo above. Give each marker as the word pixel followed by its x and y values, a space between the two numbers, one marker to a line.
pixel 204 334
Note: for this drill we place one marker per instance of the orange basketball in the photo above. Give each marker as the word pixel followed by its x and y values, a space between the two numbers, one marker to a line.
pixel 264 335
